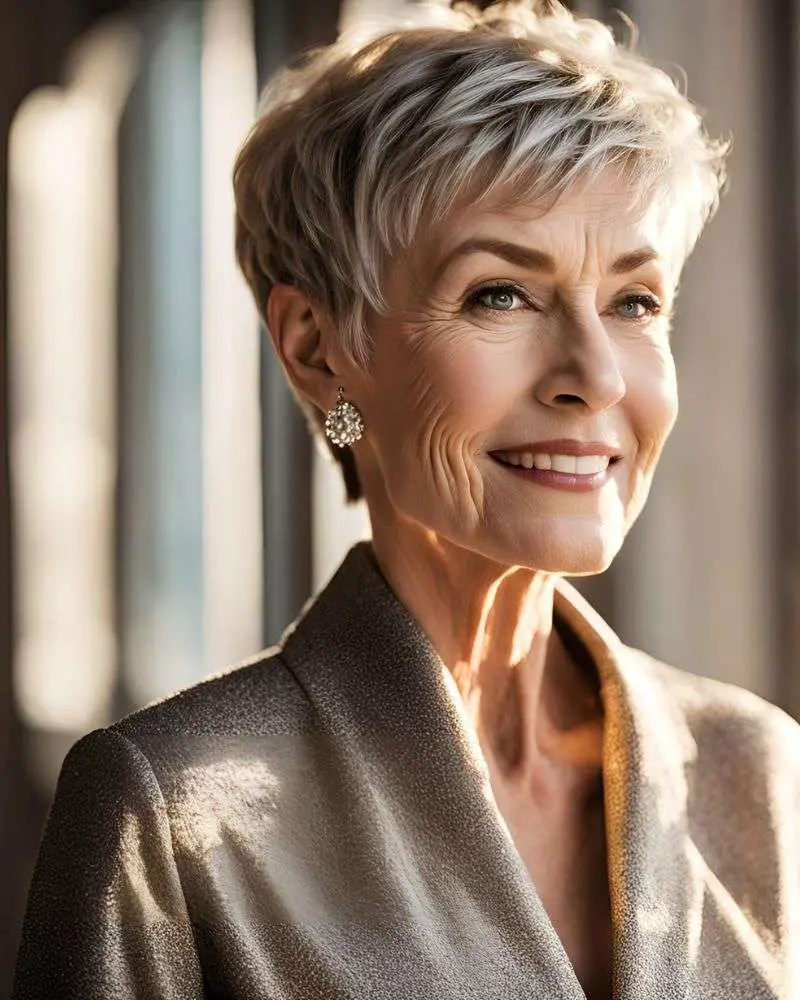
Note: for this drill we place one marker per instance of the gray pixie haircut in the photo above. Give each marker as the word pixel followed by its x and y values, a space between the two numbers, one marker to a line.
pixel 356 142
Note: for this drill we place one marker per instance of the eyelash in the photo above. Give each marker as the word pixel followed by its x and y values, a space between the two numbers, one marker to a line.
pixel 650 302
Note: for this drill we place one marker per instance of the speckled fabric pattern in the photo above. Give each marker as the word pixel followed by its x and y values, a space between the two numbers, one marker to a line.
pixel 319 823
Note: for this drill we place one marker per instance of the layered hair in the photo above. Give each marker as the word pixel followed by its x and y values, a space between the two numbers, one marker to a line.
pixel 357 142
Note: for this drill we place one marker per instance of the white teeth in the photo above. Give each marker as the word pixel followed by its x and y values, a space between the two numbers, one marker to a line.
pixel 584 465
pixel 588 464
pixel 563 463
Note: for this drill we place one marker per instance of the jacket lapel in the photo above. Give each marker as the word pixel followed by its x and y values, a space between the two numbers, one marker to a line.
pixel 656 887
pixel 403 753
pixel 678 932
pixel 406 749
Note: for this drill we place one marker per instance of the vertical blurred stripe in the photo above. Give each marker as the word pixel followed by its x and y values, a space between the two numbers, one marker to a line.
pixel 62 271
pixel 232 527
pixel 696 578
pixel 161 529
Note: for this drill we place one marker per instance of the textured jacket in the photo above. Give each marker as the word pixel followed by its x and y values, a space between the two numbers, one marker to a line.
pixel 319 823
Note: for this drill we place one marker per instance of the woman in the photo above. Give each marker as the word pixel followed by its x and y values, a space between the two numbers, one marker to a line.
pixel 451 779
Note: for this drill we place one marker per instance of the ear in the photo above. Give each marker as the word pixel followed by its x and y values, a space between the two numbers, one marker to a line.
pixel 301 335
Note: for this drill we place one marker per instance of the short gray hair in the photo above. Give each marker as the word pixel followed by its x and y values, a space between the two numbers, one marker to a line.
pixel 358 141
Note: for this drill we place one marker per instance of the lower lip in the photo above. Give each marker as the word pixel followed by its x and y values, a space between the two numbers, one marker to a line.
pixel 561 480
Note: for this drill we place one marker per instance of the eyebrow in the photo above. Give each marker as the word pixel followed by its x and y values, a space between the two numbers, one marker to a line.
pixel 534 260
pixel 634 260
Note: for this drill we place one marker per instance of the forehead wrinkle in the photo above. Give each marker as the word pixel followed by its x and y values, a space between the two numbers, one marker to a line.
pixel 598 211
pixel 597 262
pixel 588 220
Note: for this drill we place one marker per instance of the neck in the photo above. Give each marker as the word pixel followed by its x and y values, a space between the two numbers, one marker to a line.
pixel 533 702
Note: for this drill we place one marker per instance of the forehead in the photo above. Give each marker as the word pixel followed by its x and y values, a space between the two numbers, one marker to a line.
pixel 605 214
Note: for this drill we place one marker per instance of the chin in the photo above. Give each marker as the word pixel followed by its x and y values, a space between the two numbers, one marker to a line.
pixel 583 549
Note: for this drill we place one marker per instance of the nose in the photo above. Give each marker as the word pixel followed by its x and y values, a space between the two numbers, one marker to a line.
pixel 582 367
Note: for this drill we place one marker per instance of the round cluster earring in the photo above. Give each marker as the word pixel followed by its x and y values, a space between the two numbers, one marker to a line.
pixel 344 424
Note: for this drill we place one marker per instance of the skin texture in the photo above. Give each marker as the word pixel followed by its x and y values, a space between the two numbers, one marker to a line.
pixel 471 549
pixel 474 551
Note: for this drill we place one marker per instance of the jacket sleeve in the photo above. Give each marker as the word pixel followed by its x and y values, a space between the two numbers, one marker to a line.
pixel 106 916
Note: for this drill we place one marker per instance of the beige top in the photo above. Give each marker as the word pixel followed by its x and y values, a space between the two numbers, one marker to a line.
pixel 318 823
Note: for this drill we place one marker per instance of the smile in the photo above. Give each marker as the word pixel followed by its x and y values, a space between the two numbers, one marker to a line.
pixel 576 464
pixel 566 472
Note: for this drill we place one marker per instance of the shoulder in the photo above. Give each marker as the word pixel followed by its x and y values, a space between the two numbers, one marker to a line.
pixel 725 719
pixel 251 696
pixel 252 708
pixel 242 742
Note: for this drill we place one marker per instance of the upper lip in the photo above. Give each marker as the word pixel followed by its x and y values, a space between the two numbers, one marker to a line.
pixel 566 446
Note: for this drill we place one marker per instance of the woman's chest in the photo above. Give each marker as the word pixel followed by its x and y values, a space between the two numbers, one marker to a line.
pixel 565 856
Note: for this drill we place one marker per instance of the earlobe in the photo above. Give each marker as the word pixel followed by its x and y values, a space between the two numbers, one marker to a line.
pixel 300 341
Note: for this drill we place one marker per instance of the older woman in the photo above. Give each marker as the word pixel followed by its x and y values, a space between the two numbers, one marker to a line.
pixel 451 779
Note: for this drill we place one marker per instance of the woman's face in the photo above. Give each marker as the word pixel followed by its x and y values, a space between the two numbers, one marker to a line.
pixel 540 327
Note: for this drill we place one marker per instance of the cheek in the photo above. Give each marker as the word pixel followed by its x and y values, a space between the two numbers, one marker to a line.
pixel 652 398
pixel 439 376
pixel 434 398
pixel 469 380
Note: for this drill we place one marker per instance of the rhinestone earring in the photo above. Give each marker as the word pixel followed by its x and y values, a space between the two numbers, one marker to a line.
pixel 344 424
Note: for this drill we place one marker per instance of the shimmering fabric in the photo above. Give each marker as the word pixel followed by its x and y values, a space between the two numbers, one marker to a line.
pixel 319 823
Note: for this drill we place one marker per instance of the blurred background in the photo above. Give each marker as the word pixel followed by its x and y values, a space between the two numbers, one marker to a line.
pixel 163 512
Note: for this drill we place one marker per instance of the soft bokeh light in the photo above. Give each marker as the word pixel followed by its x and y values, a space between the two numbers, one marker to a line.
pixel 62 269
pixel 232 530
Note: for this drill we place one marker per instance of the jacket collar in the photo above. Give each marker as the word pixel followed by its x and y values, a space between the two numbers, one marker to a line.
pixel 381 691
pixel 655 880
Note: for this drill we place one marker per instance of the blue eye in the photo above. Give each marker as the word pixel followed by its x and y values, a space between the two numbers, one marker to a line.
pixel 503 296
pixel 637 307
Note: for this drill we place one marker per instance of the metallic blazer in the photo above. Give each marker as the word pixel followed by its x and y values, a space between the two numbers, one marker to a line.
pixel 318 822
